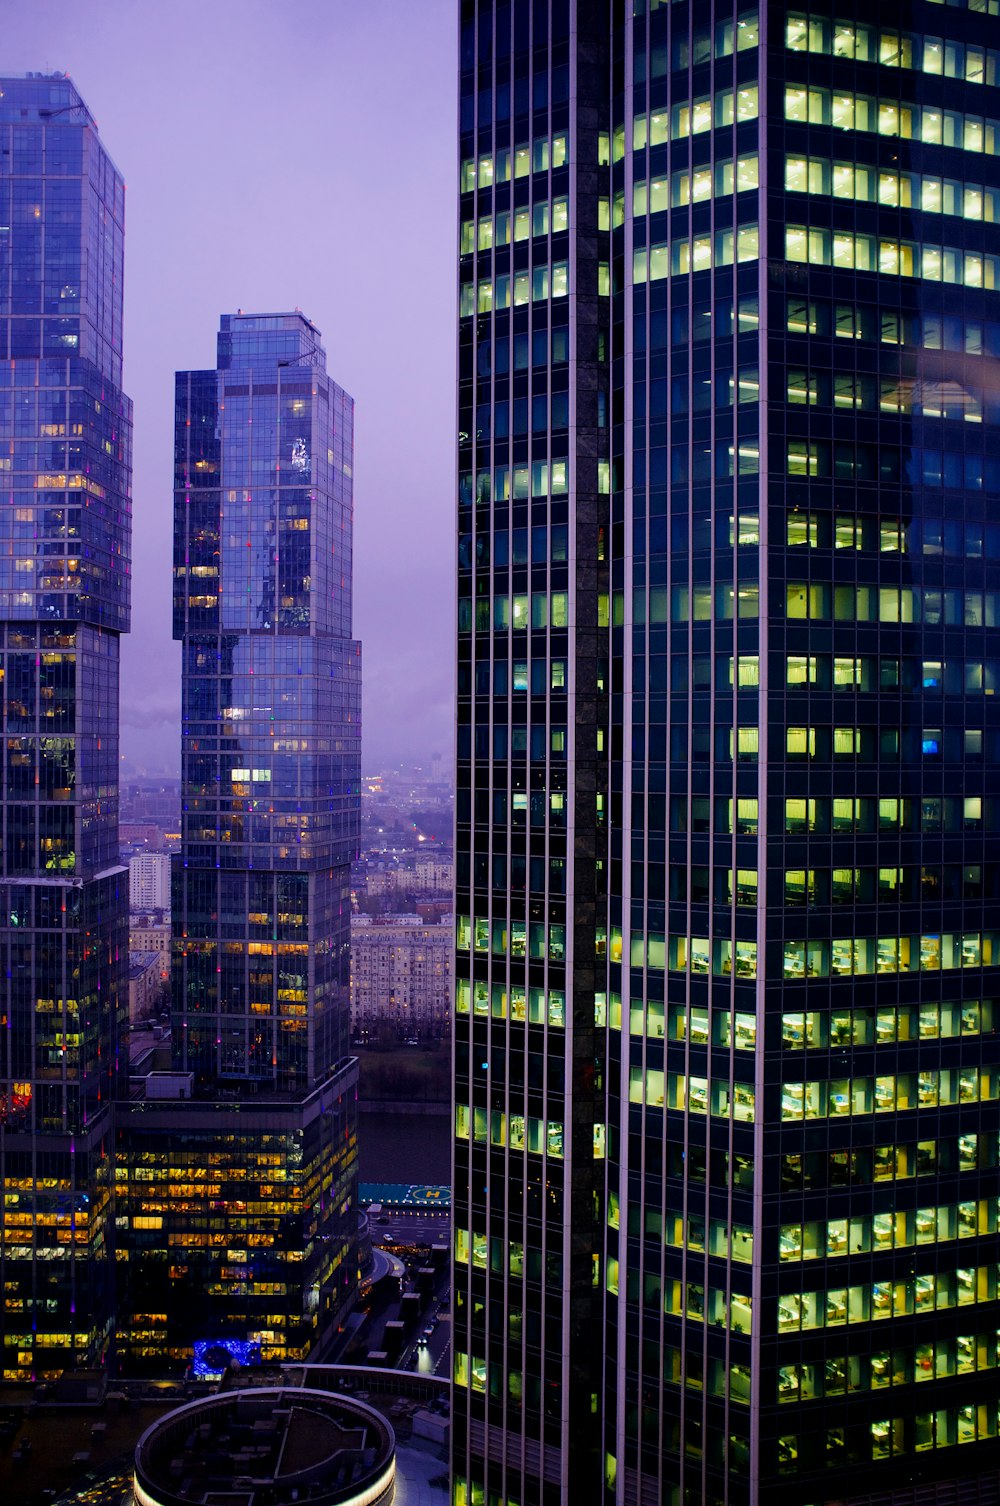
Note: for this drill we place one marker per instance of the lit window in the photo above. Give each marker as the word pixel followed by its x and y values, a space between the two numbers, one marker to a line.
pixel 803 528
pixel 800 742
pixel 800 670
pixel 803 458
pixel 746 173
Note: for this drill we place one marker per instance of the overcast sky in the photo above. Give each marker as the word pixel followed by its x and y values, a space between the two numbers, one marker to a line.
pixel 283 153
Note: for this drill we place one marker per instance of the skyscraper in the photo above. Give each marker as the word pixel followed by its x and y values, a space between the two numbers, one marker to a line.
pixel 726 1064
pixel 65 467
pixel 248 1178
pixel 271 710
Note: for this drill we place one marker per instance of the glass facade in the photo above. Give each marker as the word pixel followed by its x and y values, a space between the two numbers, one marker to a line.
pixel 242 1224
pixel 65 469
pixel 260 1217
pixel 726 1063
pixel 271 709
pixel 534 508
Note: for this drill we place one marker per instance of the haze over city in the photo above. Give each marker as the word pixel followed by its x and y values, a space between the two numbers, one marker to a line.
pixel 278 155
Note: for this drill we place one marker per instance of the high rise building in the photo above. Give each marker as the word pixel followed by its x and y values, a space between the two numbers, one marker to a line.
pixel 65 467
pixel 149 881
pixel 726 1065
pixel 248 1178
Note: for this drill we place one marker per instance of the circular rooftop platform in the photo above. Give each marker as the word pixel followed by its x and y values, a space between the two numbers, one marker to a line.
pixel 272 1446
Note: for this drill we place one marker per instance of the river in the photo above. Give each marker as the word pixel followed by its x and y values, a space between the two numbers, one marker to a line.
pixel 399 1147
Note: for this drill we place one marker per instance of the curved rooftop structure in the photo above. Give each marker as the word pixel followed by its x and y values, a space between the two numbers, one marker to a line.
pixel 269 1446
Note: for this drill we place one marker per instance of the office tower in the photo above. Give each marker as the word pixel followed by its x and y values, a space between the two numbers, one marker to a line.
pixel 65 466
pixel 247 1179
pixel 725 1058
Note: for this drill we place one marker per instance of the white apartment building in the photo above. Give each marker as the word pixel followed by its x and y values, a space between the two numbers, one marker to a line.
pixel 434 873
pixel 149 881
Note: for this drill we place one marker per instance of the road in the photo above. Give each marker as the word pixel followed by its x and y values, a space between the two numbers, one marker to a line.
pixel 435 1358
pixel 400 1231
pixel 411 1226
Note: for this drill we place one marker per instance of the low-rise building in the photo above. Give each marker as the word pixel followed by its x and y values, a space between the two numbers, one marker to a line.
pixel 147 934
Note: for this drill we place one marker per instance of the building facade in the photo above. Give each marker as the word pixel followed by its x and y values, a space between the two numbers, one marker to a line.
pixel 148 983
pixel 261 887
pixel 400 978
pixel 65 469
pixel 241 1221
pixel 271 722
pixel 149 881
pixel 725 1052
pixel 431 875
pixel 434 874
pixel 147 935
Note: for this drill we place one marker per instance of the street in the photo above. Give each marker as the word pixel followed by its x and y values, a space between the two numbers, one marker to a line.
pixel 411 1226
pixel 406 1232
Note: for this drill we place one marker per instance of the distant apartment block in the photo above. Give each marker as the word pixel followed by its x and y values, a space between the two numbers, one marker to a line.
pixel 149 881
pixel 139 834
pixel 400 978
pixel 383 882
pixel 434 873
pixel 148 966
pixel 145 935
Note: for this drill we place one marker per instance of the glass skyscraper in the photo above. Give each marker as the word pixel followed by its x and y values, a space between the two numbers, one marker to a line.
pixel 241 1205
pixel 65 468
pixel 726 1058
pixel 271 708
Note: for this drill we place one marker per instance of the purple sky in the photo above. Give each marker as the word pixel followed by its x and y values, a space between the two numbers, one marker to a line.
pixel 277 155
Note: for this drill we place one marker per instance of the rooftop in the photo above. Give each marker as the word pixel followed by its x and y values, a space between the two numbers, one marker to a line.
pixel 274 1445
pixel 41 95
pixel 82 1452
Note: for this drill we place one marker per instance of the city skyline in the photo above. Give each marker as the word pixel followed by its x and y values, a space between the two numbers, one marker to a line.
pixel 324 154
pixel 725 960
pixel 103 1148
